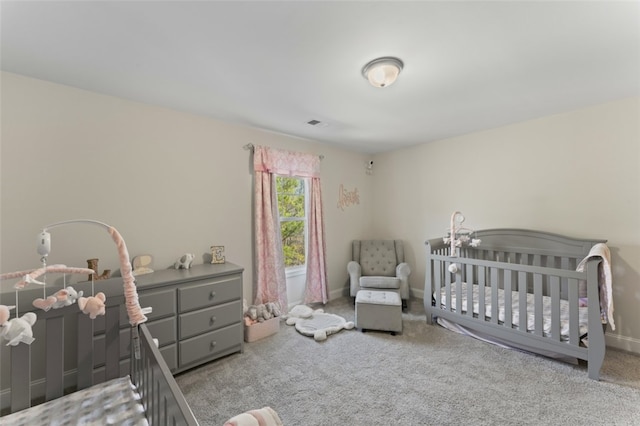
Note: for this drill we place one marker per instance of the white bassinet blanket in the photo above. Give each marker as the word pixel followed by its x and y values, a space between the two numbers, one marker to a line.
pixel 515 310
pixel 110 403
pixel 605 281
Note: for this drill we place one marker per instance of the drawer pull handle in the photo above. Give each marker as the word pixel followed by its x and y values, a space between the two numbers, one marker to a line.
pixel 213 344
pixel 213 319
pixel 213 294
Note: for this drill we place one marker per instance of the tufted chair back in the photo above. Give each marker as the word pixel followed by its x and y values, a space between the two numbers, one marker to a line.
pixel 378 257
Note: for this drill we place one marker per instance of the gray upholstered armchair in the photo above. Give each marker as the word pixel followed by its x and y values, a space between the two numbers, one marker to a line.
pixel 379 265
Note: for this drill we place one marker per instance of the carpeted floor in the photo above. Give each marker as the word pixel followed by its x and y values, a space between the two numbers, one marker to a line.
pixel 425 376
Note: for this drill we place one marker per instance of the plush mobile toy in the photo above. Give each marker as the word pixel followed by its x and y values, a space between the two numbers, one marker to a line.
pixel 17 330
pixel 93 306
pixel 61 298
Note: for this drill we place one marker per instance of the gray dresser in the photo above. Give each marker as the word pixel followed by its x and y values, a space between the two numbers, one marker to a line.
pixel 197 313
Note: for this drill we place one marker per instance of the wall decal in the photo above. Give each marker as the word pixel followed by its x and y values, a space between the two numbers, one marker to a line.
pixel 347 198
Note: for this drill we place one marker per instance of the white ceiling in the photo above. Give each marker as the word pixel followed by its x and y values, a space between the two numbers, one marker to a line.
pixel 276 65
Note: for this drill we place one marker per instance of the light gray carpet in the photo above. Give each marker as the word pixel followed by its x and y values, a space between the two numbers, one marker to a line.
pixel 425 376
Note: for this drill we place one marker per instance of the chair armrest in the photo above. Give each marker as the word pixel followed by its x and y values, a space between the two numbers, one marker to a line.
pixel 355 271
pixel 403 270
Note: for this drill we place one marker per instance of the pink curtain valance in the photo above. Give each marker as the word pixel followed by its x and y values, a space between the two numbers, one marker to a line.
pixel 285 163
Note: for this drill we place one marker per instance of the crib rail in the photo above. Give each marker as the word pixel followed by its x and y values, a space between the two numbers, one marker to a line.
pixel 526 267
pixel 63 372
pixel 97 360
pixel 161 396
pixel 511 279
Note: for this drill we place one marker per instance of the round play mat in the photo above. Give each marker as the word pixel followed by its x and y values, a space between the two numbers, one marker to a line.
pixel 321 325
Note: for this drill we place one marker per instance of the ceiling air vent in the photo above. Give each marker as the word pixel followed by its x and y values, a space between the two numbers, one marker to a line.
pixel 318 123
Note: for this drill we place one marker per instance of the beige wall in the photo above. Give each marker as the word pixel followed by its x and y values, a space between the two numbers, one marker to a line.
pixel 576 174
pixel 170 182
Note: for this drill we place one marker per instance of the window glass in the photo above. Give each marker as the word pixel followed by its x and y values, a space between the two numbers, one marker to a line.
pixel 292 211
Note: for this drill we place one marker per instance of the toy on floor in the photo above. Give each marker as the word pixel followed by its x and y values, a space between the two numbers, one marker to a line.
pixel 260 313
pixel 316 323
pixel 263 417
pixel 300 312
pixel 17 330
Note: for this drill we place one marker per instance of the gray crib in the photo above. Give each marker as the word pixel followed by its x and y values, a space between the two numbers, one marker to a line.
pixel 98 360
pixel 521 288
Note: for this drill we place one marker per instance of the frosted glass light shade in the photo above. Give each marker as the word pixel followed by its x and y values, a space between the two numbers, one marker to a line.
pixel 382 72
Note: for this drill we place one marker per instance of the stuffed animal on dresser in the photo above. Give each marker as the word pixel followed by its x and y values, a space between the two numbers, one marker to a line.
pixel 185 261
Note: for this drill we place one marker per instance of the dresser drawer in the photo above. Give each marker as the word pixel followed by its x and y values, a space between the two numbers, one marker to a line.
pixel 163 304
pixel 164 330
pixel 210 344
pixel 209 319
pixel 168 353
pixel 210 293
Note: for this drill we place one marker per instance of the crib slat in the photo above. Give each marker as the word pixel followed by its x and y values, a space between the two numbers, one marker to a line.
pixel 574 323
pixel 54 342
pixel 447 283
pixel 481 292
pixel 437 290
pixel 537 304
pixel 564 264
pixel 494 295
pixel 554 282
pixel 470 280
pixel 459 294
pixel 153 396
pixel 112 343
pixel 508 316
pixel 85 351
pixel 20 377
pixel 522 301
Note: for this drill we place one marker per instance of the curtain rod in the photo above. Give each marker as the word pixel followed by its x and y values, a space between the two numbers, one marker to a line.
pixel 250 147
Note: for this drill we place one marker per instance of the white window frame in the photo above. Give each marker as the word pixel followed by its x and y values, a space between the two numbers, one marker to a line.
pixel 294 271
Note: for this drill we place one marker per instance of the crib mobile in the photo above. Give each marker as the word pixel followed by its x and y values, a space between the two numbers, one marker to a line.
pixel 458 236
pixel 19 329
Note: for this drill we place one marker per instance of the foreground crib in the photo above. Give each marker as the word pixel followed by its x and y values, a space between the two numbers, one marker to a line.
pixel 520 288
pixel 145 391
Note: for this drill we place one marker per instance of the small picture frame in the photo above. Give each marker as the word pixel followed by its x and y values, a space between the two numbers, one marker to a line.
pixel 217 254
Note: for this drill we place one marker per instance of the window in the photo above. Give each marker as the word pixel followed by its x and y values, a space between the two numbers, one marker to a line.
pixel 292 210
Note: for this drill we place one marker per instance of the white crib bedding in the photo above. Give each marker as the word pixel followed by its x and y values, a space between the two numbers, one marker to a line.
pixel 515 310
pixel 110 403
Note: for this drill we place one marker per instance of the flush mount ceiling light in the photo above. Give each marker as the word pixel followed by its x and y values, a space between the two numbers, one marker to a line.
pixel 382 72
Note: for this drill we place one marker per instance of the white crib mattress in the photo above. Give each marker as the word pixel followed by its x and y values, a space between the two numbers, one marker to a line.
pixel 110 403
pixel 515 310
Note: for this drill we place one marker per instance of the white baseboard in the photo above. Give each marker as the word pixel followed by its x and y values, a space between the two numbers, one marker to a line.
pixel 334 294
pixel 624 343
pixel 418 294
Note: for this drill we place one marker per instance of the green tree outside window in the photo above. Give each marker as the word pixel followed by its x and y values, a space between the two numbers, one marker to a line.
pixel 291 208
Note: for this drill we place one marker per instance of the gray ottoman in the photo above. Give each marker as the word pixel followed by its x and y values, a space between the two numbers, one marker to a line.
pixel 379 310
